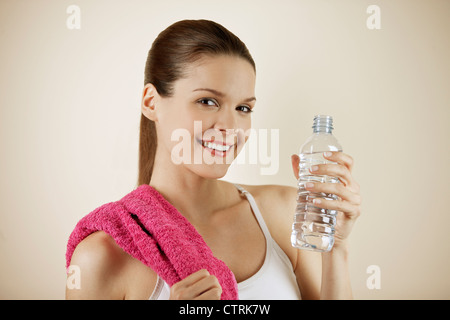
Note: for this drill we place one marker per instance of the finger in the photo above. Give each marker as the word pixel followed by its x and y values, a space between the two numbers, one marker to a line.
pixel 213 294
pixel 205 285
pixel 295 160
pixel 350 210
pixel 333 170
pixel 336 189
pixel 339 157
pixel 196 276
pixel 186 289
pixel 191 279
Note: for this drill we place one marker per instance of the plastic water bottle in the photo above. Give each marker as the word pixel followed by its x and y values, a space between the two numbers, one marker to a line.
pixel 313 227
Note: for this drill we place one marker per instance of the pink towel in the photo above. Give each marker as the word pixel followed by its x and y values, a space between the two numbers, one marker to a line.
pixel 149 228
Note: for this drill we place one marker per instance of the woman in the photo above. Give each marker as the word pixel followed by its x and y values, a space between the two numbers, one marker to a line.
pixel 198 72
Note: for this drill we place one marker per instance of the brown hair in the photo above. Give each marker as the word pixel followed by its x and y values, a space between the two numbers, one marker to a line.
pixel 182 43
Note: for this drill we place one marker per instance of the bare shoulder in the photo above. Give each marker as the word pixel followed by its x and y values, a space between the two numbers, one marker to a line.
pixel 107 271
pixel 99 260
pixel 271 188
pixel 98 252
pixel 275 195
pixel 96 247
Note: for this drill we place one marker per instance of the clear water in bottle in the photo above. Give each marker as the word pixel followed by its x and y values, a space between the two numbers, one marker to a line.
pixel 313 227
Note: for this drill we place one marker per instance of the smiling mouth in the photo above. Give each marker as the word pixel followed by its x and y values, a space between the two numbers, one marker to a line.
pixel 217 148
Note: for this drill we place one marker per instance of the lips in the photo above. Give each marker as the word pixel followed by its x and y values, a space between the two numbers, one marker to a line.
pixel 217 142
pixel 217 148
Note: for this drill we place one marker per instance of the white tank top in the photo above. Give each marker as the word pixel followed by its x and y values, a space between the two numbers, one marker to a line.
pixel 275 280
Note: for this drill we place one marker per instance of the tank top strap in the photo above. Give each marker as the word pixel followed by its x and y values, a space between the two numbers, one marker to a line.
pixel 256 211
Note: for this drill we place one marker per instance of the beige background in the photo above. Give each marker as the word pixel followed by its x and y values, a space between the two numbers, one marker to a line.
pixel 70 104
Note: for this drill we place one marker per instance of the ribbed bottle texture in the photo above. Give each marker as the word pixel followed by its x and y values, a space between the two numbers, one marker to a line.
pixel 313 227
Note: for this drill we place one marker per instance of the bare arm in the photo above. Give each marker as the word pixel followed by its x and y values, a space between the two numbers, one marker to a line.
pixel 99 261
pixel 335 275
pixel 335 278
pixel 109 273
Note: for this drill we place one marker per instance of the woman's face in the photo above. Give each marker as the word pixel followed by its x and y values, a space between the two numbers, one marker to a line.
pixel 205 123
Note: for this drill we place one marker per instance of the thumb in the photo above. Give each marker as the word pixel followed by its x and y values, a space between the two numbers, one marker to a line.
pixel 295 160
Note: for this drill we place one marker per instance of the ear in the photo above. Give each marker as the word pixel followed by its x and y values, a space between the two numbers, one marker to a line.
pixel 148 105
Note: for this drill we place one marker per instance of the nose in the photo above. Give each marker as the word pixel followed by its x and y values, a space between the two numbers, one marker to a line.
pixel 227 124
pixel 226 120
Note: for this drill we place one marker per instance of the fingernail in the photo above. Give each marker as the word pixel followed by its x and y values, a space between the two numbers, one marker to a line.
pixel 316 201
pixel 327 154
pixel 309 185
pixel 314 168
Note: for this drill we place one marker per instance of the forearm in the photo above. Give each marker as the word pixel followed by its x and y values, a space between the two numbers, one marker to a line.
pixel 335 274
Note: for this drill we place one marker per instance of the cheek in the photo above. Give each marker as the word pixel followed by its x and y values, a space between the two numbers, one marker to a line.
pixel 244 131
pixel 176 118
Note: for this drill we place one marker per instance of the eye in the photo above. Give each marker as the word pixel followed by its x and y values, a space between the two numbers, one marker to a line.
pixel 245 109
pixel 208 102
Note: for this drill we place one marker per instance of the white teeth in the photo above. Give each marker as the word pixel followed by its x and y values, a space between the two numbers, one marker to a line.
pixel 218 147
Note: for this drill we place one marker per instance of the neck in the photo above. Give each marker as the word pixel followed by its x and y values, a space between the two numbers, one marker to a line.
pixel 195 197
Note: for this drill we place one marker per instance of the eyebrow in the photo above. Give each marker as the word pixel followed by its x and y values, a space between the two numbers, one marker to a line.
pixel 221 94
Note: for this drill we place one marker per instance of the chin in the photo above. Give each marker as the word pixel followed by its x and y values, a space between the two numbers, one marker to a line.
pixel 213 166
pixel 213 171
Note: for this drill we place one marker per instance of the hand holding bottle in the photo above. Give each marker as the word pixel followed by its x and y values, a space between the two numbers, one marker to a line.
pixel 349 204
